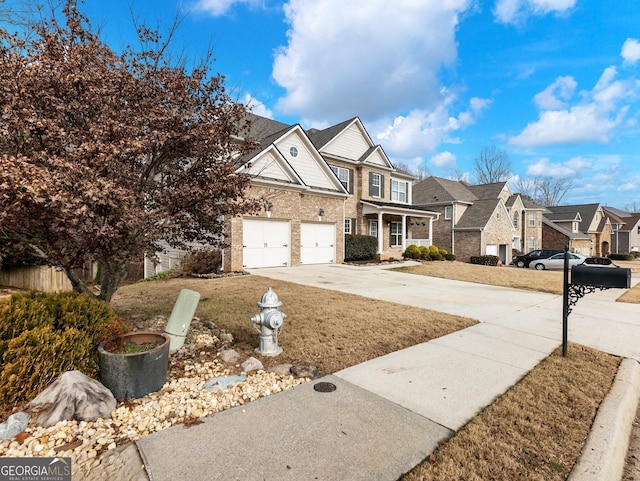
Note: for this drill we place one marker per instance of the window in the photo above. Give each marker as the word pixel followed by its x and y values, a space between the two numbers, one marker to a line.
pixel 396 234
pixel 575 227
pixel 375 185
pixel 532 220
pixel 398 191
pixel 498 214
pixel 531 244
pixel 448 212
pixel 348 226
pixel 293 151
pixel 516 219
pixel 373 228
pixel 345 176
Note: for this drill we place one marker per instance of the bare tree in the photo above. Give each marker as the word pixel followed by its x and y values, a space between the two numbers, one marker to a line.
pixel 632 207
pixel 492 165
pixel 419 172
pixel 104 156
pixel 550 191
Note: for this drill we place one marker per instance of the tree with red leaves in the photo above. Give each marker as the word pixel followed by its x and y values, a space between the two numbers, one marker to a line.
pixel 104 156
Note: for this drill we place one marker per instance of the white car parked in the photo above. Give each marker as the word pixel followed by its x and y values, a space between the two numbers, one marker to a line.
pixel 556 261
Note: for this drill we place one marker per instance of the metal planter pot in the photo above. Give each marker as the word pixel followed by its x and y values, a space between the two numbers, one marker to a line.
pixel 135 374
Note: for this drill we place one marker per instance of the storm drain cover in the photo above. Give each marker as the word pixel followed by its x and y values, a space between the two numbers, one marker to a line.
pixel 324 387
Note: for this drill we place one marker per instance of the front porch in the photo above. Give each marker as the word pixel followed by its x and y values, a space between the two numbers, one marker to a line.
pixel 391 225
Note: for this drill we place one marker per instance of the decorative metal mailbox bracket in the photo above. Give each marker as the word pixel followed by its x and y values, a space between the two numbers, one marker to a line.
pixel 594 273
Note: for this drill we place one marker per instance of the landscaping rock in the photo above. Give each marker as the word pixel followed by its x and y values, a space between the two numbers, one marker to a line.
pixel 229 356
pixel 73 396
pixel 252 364
pixel 305 370
pixel 14 425
pixel 284 369
pixel 223 381
pixel 226 337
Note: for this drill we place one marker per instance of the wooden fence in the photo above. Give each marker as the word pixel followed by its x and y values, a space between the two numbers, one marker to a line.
pixel 37 278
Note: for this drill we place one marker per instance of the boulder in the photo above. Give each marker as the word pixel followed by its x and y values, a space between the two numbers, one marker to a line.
pixel 14 425
pixel 305 370
pixel 230 356
pixel 252 364
pixel 72 396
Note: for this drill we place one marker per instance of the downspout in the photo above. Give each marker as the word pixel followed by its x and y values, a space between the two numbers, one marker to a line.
pixel 453 222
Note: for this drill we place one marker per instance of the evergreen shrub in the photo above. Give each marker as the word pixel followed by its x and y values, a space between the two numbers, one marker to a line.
pixel 485 260
pixel 360 247
pixel 621 256
pixel 44 335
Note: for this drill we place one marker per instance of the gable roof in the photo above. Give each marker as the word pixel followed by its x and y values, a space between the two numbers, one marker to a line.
pixel 566 232
pixel 630 223
pixel 321 138
pixel 477 216
pixel 587 214
pixel 436 190
pixel 487 191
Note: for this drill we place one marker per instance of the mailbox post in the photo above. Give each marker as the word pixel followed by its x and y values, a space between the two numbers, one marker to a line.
pixel 594 273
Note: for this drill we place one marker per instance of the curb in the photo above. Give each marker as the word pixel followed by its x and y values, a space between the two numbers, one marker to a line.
pixel 604 453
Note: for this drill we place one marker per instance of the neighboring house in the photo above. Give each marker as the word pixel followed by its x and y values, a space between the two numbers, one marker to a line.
pixel 625 230
pixel 585 228
pixel 484 219
pixel 318 186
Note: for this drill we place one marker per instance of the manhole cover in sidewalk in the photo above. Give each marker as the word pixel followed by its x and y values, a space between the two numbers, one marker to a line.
pixel 324 387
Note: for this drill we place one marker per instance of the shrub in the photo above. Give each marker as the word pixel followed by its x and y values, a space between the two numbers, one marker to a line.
pixel 424 253
pixel 435 256
pixel 485 260
pixel 412 252
pixel 450 257
pixel 635 254
pixel 443 252
pixel 360 247
pixel 44 335
pixel 622 256
pixel 433 249
pixel 206 261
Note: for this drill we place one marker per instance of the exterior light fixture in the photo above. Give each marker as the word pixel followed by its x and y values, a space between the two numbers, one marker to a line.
pixel 269 208
pixel 320 214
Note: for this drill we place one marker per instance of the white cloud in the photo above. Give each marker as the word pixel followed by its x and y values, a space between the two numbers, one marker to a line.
pixel 556 94
pixel 630 51
pixel 443 160
pixel 371 58
pixel 221 7
pixel 257 107
pixel 516 11
pixel 592 119
pixel 422 131
pixel 545 168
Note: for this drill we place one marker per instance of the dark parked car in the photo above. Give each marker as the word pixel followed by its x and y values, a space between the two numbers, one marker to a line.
pixel 525 259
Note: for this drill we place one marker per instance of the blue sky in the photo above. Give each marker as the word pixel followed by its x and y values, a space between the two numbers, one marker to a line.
pixel 554 83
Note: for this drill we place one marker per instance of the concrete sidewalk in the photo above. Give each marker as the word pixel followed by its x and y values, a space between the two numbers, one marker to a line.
pixel 385 415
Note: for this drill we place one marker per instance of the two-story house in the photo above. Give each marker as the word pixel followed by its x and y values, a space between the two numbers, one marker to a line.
pixel 317 186
pixel 585 228
pixel 484 219
pixel 625 230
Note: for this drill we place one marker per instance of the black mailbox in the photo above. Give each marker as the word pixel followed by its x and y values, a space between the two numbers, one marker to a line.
pixel 585 275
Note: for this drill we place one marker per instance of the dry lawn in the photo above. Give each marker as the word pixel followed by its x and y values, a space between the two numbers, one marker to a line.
pixel 510 276
pixel 535 431
pixel 327 329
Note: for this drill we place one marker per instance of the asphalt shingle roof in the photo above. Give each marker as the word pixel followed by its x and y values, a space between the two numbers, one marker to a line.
pixel 477 215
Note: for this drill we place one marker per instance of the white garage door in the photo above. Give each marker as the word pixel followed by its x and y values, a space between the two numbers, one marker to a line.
pixel 492 249
pixel 317 243
pixel 265 243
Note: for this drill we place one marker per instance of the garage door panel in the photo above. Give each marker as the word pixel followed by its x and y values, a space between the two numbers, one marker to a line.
pixel 265 243
pixel 317 243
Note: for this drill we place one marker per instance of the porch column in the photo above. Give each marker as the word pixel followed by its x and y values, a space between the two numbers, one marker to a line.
pixel 403 232
pixel 380 233
pixel 430 230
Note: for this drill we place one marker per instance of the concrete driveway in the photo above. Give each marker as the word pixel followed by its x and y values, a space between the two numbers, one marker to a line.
pixel 596 320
